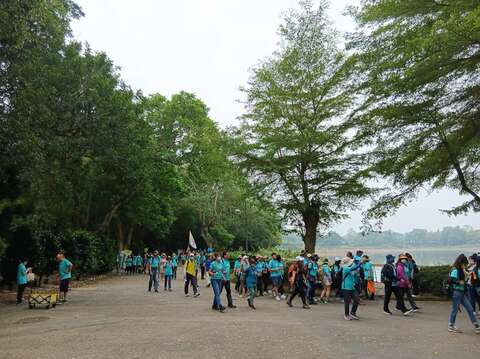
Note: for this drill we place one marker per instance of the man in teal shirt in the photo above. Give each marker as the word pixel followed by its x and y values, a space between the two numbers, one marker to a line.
pixel 153 264
pixel 216 278
pixel 65 274
pixel 22 279
pixel 226 278
pixel 275 268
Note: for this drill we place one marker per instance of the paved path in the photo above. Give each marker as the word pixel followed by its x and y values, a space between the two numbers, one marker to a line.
pixel 118 318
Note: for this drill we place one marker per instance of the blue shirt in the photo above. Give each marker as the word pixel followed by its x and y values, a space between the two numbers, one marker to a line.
pixel 260 266
pixel 217 268
pixel 22 274
pixel 62 269
pixel 275 267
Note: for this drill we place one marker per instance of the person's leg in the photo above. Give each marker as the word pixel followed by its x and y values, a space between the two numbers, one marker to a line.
pixel 252 292
pixel 356 300
pixel 408 292
pixel 293 295
pixel 468 307
pixel 216 293
pixel 229 293
pixel 156 283
pixel 400 295
pixel 386 298
pixel 203 272
pixel 194 285
pixel 472 296
pixel 347 295
pixel 187 283
pixel 150 281
pixel 259 285
pixel 20 291
pixel 165 281
pixel 456 300
pixel 175 273
pixel 311 291
pixel 328 289
pixel 302 293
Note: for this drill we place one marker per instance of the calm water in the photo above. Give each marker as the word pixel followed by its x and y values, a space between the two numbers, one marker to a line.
pixel 423 256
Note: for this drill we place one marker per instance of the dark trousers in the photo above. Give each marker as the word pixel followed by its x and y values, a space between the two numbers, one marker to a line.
pixel 226 285
pixel 350 296
pixel 265 278
pixel 400 295
pixel 311 290
pixel 408 292
pixel 175 273
pixel 238 283
pixel 191 279
pixel 260 285
pixel 202 268
pixel 474 297
pixel 168 282
pixel 300 290
pixel 20 290
pixel 389 290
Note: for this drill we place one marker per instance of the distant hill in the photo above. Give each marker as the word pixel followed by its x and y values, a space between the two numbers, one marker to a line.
pixel 448 236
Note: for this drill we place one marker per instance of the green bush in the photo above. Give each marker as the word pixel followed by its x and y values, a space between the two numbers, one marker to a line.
pixel 430 279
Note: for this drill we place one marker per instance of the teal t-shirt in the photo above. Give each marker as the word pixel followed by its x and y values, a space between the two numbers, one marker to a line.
pixel 129 262
pixel 217 268
pixel 154 261
pixel 260 266
pixel 174 261
pixel 22 274
pixel 312 269
pixel 456 285
pixel 367 270
pixel 138 261
pixel 349 274
pixel 275 267
pixel 237 265
pixel 169 268
pixel 226 269
pixel 62 269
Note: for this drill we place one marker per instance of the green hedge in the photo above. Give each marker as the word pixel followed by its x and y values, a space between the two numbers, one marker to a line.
pixel 430 279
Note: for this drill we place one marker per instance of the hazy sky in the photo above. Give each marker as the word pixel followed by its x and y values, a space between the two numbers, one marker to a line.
pixel 207 47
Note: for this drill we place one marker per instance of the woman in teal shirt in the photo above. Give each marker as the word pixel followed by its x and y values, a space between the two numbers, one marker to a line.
pixel 349 273
pixel 216 279
pixel 22 279
pixel 168 267
pixel 459 295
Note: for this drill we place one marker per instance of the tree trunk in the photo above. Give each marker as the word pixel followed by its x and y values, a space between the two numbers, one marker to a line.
pixel 204 234
pixel 311 217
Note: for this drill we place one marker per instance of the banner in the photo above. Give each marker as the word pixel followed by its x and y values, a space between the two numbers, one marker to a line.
pixel 191 241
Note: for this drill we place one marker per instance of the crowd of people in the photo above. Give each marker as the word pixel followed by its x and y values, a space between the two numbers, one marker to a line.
pixel 349 279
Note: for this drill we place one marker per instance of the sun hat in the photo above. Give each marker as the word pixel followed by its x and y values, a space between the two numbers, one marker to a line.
pixel 298 258
pixel 402 256
pixel 337 259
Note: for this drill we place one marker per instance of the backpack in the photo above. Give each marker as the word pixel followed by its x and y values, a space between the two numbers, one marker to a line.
pixel 384 276
pixel 448 284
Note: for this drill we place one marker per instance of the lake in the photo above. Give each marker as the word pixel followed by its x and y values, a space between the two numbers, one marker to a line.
pixel 423 256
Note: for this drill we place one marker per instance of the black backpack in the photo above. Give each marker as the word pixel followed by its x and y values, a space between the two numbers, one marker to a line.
pixel 387 274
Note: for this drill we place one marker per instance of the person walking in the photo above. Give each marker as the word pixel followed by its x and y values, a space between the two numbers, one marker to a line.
pixel 174 265
pixel 350 294
pixel 65 273
pixel 326 282
pixel 401 284
pixel 251 277
pixel 260 266
pixel 274 267
pixel 298 280
pixel 388 278
pixel 216 273
pixel 152 268
pixel 459 296
pixel 190 275
pixel 227 278
pixel 237 269
pixel 473 281
pixel 22 279
pixel 369 278
pixel 168 268
pixel 312 274
pixel 409 271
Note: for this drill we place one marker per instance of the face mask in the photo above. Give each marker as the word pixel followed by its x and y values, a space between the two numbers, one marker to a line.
pixel 219 259
pixel 404 261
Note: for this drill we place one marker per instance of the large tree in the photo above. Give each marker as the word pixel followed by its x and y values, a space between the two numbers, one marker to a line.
pixel 419 74
pixel 296 137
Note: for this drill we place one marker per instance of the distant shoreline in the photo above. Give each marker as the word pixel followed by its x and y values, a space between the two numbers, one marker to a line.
pixel 396 249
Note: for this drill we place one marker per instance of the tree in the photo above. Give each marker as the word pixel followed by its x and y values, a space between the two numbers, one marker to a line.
pixel 418 69
pixel 296 135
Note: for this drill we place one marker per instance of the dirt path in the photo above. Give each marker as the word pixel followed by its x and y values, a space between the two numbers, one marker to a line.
pixel 119 319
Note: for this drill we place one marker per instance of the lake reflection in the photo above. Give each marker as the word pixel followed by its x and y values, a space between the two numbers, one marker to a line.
pixel 423 256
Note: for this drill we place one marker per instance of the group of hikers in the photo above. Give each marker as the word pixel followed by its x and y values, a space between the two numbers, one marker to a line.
pixel 350 279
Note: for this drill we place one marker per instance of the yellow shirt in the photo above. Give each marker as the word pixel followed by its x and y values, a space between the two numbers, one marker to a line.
pixel 190 267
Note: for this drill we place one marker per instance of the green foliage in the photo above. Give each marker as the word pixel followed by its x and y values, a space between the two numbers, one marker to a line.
pixel 418 74
pixel 431 279
pixel 295 138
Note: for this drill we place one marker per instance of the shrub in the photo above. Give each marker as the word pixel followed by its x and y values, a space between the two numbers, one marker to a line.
pixel 430 279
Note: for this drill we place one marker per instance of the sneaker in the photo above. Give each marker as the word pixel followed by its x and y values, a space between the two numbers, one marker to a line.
pixel 283 296
pixel 453 329
pixel 408 312
pixel 306 306
pixel 170 289
pixel 156 290
pixel 196 295
pixel 222 310
pixel 289 304
pixel 187 295
pixel 477 330
pixel 387 312
pixel 277 298
pixel 347 317
pixel 416 309
pixel 354 316
pixel 232 306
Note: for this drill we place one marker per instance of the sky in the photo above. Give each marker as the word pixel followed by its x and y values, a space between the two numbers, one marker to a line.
pixel 207 47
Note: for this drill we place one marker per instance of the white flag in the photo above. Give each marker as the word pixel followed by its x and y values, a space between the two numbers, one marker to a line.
pixel 191 240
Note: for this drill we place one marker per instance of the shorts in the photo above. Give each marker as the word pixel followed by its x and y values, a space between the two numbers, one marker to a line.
pixel 64 285
pixel 277 281
pixel 326 282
